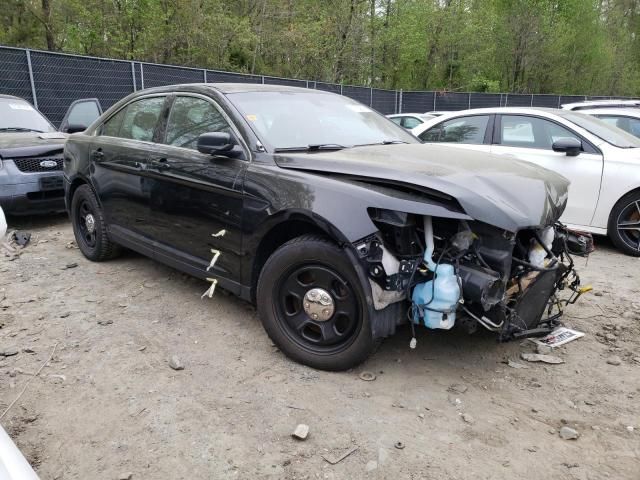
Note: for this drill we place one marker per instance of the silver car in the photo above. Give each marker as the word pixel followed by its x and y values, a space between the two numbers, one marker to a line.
pixel 31 154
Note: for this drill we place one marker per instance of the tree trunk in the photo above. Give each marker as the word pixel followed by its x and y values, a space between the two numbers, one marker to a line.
pixel 48 27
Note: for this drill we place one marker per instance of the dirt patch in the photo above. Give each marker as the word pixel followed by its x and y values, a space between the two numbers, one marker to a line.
pixel 108 402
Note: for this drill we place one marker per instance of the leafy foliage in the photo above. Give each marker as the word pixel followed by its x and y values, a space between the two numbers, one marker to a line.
pixel 528 46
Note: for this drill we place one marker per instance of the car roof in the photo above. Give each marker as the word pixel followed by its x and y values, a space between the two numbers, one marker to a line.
pixel 599 103
pixel 12 97
pixel 629 112
pixel 493 110
pixel 226 88
pixel 394 115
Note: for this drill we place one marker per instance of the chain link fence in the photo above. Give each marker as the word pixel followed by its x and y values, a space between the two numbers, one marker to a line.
pixel 51 81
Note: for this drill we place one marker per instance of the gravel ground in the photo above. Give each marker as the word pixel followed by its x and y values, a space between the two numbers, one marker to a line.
pixel 108 404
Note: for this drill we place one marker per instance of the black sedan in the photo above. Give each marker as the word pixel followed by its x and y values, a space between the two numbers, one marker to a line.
pixel 336 222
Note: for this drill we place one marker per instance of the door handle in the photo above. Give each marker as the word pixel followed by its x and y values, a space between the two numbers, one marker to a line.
pixel 97 155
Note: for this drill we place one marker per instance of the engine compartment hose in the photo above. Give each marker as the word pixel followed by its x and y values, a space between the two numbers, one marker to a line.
pixel 429 245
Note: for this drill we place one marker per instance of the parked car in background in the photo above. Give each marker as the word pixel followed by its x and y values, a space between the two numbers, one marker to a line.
pixel 333 220
pixel 409 120
pixel 601 161
pixel 31 154
pixel 628 119
pixel 591 104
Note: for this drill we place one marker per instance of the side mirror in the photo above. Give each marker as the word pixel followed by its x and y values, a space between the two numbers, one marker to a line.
pixel 215 143
pixel 75 128
pixel 571 146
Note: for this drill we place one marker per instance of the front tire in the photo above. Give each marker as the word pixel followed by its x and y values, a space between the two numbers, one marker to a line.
pixel 313 306
pixel 89 226
pixel 624 224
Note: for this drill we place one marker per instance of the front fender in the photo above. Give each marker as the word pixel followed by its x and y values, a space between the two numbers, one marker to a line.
pixel 339 203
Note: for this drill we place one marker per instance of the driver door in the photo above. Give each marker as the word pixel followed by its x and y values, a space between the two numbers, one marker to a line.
pixel 194 196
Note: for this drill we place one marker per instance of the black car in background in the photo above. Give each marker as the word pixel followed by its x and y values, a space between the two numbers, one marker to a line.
pixel 328 216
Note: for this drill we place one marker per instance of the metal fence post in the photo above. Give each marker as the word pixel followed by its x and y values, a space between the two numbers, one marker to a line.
pixel 434 101
pixel 532 99
pixel 400 102
pixel 341 89
pixel 469 101
pixel 371 96
pixel 33 85
pixel 204 75
pixel 142 76
pixel 133 76
pixel 262 76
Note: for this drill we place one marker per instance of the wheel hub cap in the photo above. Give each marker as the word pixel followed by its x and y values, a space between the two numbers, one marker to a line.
pixel 90 222
pixel 318 304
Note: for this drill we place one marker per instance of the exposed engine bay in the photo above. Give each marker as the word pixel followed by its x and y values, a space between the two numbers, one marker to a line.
pixel 468 273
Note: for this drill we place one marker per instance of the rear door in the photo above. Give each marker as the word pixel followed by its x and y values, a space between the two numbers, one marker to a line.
pixel 470 131
pixel 196 199
pixel 119 157
pixel 530 138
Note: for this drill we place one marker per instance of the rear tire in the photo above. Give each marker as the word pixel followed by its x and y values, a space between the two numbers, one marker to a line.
pixel 301 270
pixel 624 224
pixel 89 226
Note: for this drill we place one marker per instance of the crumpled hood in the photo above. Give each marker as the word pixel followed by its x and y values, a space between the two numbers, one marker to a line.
pixel 30 144
pixel 502 192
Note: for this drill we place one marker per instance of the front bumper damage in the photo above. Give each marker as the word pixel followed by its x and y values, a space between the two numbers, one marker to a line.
pixel 448 272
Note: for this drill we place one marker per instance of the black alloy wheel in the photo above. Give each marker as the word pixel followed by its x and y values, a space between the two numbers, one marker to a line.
pixel 624 224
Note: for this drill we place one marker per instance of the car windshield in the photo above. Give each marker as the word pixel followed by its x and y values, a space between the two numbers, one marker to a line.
pixel 299 120
pixel 16 115
pixel 610 134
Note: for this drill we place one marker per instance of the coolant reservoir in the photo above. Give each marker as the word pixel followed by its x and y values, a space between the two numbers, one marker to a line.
pixel 439 313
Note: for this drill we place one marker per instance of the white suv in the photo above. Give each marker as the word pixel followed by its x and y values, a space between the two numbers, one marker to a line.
pixel 601 161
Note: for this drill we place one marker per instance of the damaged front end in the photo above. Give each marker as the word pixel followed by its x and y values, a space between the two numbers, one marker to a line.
pixel 451 271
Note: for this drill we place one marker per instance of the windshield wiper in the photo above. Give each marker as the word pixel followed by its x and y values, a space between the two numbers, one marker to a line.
pixel 311 148
pixel 19 129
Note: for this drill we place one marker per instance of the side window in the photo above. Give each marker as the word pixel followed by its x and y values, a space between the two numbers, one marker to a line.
pixel 531 132
pixel 410 122
pixel 140 119
pixel 111 127
pixel 468 130
pixel 397 120
pixel 189 118
pixel 628 124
